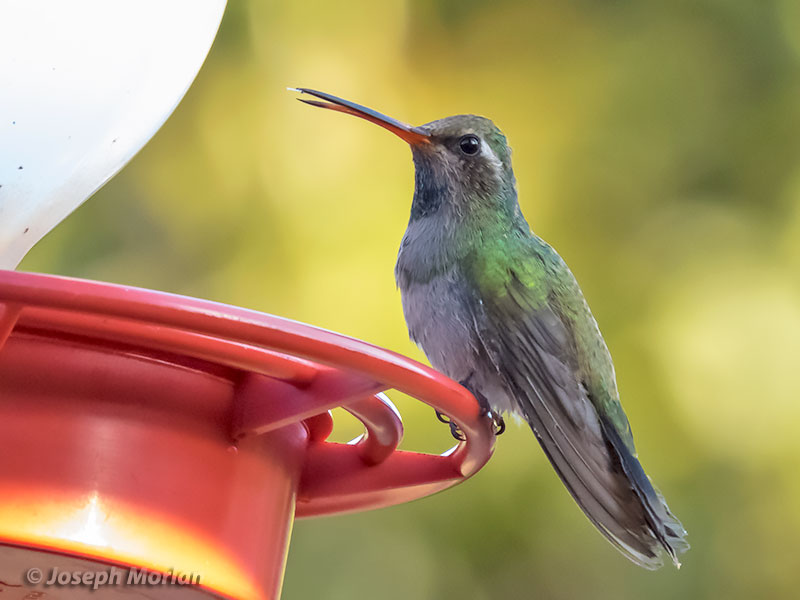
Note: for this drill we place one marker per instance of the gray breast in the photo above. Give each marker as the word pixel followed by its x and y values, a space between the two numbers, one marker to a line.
pixel 435 296
pixel 440 309
pixel 440 322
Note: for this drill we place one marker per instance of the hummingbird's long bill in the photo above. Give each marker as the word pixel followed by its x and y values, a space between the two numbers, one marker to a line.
pixel 412 135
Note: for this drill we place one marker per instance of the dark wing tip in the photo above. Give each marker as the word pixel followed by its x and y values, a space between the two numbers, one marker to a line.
pixel 666 529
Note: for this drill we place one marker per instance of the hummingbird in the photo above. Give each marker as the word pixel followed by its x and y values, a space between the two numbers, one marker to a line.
pixel 494 307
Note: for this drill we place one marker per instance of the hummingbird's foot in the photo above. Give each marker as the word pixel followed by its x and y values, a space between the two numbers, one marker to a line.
pixel 497 419
pixel 499 424
pixel 443 418
pixel 456 432
pixel 454 429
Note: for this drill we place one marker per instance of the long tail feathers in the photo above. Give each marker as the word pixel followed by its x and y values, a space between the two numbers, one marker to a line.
pixel 615 494
pixel 663 525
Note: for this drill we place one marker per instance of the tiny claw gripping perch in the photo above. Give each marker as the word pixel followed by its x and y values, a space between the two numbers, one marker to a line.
pixel 499 424
pixel 454 429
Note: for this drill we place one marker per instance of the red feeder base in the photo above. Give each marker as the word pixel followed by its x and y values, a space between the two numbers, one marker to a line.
pixel 162 445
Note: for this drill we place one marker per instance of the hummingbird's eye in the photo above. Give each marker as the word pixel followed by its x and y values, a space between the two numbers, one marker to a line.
pixel 469 144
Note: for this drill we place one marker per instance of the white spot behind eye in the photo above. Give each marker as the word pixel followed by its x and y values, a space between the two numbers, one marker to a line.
pixel 487 151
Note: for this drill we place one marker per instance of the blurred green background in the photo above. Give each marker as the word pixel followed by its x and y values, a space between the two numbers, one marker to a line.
pixel 656 146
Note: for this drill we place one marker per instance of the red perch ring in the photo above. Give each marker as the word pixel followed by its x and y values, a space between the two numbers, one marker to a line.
pixel 146 430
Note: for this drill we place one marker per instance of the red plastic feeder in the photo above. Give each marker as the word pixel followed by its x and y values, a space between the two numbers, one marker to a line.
pixel 151 431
